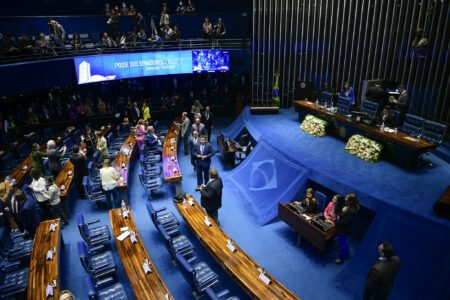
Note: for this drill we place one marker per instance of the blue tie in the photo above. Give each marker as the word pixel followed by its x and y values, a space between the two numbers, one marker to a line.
pixel 202 147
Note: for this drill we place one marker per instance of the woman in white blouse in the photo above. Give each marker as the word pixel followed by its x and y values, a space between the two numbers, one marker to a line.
pixel 102 145
pixel 52 195
pixel 109 177
pixel 39 187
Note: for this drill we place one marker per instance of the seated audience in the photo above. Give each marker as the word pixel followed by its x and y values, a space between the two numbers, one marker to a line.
pixel 176 34
pixel 155 39
pixel 44 46
pixel 386 117
pixel 107 41
pixel 181 9
pixel 131 10
pixel 347 91
pixel 167 32
pixel 76 42
pixel 142 37
pixel 334 208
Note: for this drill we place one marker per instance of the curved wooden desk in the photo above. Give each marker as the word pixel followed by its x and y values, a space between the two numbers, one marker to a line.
pixel 171 168
pixel 43 271
pixel 238 264
pixel 122 160
pixel 145 286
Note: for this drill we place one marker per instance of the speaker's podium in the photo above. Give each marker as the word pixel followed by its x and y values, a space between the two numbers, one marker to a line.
pixel 263 108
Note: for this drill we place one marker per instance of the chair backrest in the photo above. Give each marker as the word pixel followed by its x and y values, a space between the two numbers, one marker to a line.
pixel 82 227
pixel 326 97
pixel 343 105
pixel 49 132
pixel 23 150
pixel 141 176
pixel 321 199
pixel 412 124
pixel 396 116
pixel 151 212
pixel 185 264
pixel 370 108
pixel 433 132
pixel 110 138
pixel 90 287
pixel 83 254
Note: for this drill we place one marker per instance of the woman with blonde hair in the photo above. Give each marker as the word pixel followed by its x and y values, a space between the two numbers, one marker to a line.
pixel 109 177
pixel 102 145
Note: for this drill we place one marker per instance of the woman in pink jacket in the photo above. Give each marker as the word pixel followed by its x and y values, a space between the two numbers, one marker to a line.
pixel 140 132
pixel 333 208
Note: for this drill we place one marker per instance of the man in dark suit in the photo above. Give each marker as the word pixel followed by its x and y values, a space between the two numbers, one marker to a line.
pixel 89 139
pixel 211 195
pixel 135 112
pixel 54 157
pixel 193 141
pixel 207 116
pixel 78 160
pixel 151 140
pixel 27 212
pixel 387 117
pixel 381 276
pixel 400 104
pixel 203 153
pixel 199 127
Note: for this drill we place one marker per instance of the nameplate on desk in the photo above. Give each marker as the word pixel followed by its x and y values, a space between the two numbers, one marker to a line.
pixel 48 291
pixel 168 297
pixel 125 214
pixel 264 278
pixel 191 202
pixel 52 227
pixel 207 222
pixel 123 236
pixel 410 138
pixel 49 255
pixel 231 246
pixel 133 238
pixel 146 267
pixel 124 229
pixel 25 168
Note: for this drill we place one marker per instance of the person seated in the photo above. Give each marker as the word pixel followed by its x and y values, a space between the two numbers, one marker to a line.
pixel 152 141
pixel 347 91
pixel 334 208
pixel 176 34
pixel 154 39
pixel 181 9
pixel 310 203
pixel 142 37
pixel 76 42
pixel 167 32
pixel 107 41
pixel 190 7
pixel 387 118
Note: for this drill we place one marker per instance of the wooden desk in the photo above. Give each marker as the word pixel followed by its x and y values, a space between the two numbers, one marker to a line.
pixel 145 286
pixel 238 264
pixel 404 149
pixel 43 271
pixel 65 179
pixel 304 228
pixel 228 150
pixel 442 206
pixel 122 160
pixel 171 168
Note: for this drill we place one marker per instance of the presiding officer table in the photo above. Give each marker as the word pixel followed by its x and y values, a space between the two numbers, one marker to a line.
pixel 238 264
pixel 145 286
pixel 45 271
pixel 404 149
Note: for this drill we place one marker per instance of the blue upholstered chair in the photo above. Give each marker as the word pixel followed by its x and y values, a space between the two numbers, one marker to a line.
pixel 97 265
pixel 370 108
pixel 412 125
pixel 199 275
pixel 159 217
pixel 222 295
pixel 93 236
pixel 69 144
pixel 326 98
pixel 396 115
pixel 14 247
pixel 321 199
pixel 152 158
pixel 177 244
pixel 433 132
pixel 112 292
pixel 113 145
pixel 343 105
pixel 13 284
pixel 23 151
pixel 49 133
pixel 149 170
pixel 150 184
pixel 93 191
pixel 94 175
pixel 8 163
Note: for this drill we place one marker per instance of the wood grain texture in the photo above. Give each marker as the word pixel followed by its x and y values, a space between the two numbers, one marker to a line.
pixel 169 154
pixel 396 138
pixel 306 230
pixel 123 159
pixel 43 271
pixel 145 286
pixel 238 264
pixel 65 179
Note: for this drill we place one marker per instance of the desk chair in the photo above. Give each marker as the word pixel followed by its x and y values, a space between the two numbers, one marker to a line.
pixel 94 236
pixel 115 291
pixel 8 163
pixel 370 108
pixel 321 199
pixel 98 265
pixel 179 244
pixel 343 105
pixel 199 275
pixel 94 192
pixel 148 169
pixel 150 184
pixel 23 151
pixel 222 295
pixel 432 132
pixel 14 284
pixel 16 248
pixel 412 125
pixel 165 219
pixel 93 172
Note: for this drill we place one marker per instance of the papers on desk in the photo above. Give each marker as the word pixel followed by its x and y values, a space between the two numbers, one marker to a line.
pixel 168 297
pixel 49 255
pixel 172 141
pixel 125 214
pixel 52 227
pixel 410 138
pixel 207 222
pixel 48 291
pixel 191 202
pixel 263 277
pixel 123 236
pixel 124 229
pixel 133 237
pixel 25 167
pixel 231 246
pixel 146 267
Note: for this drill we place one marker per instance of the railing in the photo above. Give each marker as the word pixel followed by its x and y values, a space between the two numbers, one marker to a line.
pixel 98 48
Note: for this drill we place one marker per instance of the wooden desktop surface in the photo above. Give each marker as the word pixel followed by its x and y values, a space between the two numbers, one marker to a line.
pixel 170 151
pixel 124 157
pixel 397 138
pixel 304 228
pixel 145 286
pixel 43 271
pixel 238 264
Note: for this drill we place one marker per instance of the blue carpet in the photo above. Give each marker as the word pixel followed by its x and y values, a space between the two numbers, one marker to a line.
pixel 401 201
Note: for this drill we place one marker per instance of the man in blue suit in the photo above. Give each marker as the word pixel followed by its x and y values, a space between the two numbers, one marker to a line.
pixel 193 141
pixel 203 153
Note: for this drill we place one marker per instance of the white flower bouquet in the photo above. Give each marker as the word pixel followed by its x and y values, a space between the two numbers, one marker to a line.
pixel 314 126
pixel 364 148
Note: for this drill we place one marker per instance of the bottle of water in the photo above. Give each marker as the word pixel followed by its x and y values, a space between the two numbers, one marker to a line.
pixel 382 127
pixel 123 205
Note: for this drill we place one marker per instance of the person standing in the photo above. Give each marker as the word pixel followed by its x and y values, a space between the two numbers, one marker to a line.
pixel 211 195
pixel 52 195
pixel 208 118
pixel 140 132
pixel 28 214
pixel 39 187
pixel 343 225
pixel 54 157
pixel 347 91
pixel 109 177
pixel 146 112
pixel 400 104
pixel 78 160
pixel 102 145
pixel 193 141
pixel 37 157
pixel 185 123
pixel 135 112
pixel 203 153
pixel 199 127
pixel 381 276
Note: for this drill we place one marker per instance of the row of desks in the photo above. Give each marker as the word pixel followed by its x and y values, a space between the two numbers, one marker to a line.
pixel 171 168
pixel 122 160
pixel 238 264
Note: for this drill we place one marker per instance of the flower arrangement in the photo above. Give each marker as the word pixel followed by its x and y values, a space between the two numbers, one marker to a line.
pixel 364 148
pixel 314 126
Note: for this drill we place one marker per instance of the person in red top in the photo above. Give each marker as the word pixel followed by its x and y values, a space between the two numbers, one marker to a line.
pixel 334 208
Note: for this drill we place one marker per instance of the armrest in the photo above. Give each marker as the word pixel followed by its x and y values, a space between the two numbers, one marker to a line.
pixel 104 281
pixel 92 222
pixel 170 226
pixel 209 277
pixel 95 240
pixel 222 293
pixel 95 249
pixel 160 210
pixel 13 250
pixel 173 232
pixel 190 260
pixel 184 247
pixel 100 267
pixel 15 236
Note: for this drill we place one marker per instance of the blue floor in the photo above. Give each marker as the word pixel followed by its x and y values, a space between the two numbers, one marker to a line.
pixel 398 197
